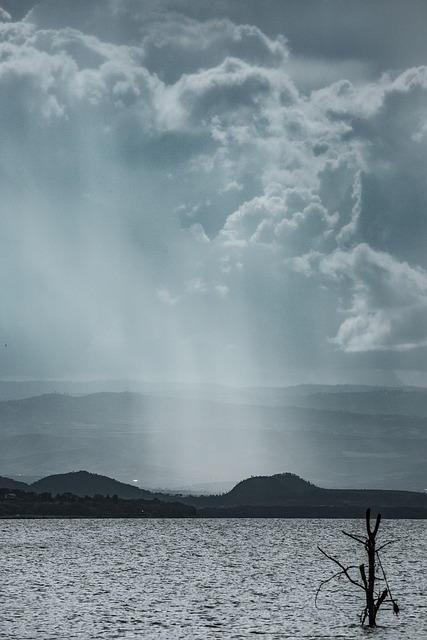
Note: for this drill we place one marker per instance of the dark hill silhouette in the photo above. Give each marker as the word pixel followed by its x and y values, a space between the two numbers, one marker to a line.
pixel 276 489
pixel 83 483
pixel 289 490
pixel 8 483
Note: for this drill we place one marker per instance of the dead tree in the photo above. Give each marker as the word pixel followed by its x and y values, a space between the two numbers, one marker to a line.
pixel 374 598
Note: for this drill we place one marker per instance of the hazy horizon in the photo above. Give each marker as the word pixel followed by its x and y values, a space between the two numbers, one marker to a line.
pixel 224 192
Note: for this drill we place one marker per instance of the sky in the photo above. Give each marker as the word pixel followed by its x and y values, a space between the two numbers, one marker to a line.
pixel 231 191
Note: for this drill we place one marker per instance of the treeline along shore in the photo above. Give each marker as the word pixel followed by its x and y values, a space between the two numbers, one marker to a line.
pixel 28 504
pixel 85 495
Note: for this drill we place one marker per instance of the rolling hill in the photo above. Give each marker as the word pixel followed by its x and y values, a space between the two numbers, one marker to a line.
pixel 83 483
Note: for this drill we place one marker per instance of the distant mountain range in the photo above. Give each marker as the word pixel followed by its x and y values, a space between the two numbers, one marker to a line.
pixel 178 436
pixel 281 495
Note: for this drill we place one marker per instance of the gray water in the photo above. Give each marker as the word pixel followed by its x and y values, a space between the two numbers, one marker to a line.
pixel 144 579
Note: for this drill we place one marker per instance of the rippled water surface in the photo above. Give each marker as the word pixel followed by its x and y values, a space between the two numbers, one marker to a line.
pixel 143 579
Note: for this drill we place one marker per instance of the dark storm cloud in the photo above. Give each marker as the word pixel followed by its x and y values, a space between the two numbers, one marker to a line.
pixel 188 194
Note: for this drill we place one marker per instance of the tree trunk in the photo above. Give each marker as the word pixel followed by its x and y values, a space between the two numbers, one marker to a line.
pixel 371 606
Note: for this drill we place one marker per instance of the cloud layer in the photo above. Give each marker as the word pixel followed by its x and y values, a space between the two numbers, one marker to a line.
pixel 178 202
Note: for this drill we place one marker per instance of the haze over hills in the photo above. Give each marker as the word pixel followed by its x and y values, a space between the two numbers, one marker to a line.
pixel 348 437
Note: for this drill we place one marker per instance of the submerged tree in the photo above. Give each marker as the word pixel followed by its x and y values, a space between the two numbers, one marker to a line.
pixel 374 597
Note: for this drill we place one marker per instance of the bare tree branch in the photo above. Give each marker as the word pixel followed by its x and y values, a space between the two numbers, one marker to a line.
pixel 335 575
pixel 381 599
pixel 386 544
pixel 344 570
pixel 377 524
pixel 350 535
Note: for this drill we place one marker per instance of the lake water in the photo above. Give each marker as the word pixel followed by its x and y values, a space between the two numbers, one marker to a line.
pixel 232 578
